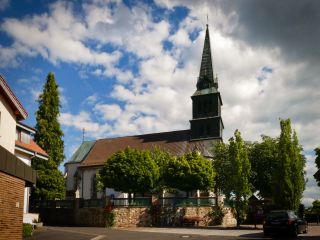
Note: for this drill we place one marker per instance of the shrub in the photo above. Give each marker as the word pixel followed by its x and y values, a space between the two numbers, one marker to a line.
pixel 216 215
pixel 109 215
pixel 110 218
pixel 27 230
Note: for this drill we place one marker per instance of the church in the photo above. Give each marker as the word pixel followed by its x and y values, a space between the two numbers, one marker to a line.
pixel 206 127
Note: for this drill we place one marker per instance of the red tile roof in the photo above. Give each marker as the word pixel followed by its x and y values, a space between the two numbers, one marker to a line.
pixel 176 142
pixel 33 147
pixel 5 90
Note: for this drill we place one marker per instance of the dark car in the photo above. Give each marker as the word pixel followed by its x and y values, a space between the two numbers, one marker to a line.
pixel 284 221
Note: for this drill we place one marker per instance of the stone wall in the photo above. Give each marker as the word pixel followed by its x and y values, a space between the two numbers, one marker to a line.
pixel 202 212
pixel 142 217
pixel 133 217
pixel 228 219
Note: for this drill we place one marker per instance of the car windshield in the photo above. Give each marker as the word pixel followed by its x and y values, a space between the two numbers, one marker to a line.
pixel 277 215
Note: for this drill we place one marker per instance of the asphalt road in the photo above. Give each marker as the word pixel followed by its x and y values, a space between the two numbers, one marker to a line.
pixel 86 233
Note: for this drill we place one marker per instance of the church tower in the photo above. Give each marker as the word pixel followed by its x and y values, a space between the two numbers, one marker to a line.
pixel 206 120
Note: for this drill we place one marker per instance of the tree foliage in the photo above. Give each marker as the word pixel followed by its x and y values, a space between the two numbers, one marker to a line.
pixel 50 182
pixel 162 159
pixel 263 157
pixel 190 172
pixel 317 161
pixel 238 184
pixel 48 131
pixel 221 165
pixel 288 179
pixel 131 171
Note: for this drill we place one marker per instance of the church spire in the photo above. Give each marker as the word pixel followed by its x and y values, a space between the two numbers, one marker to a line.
pixel 206 77
pixel 206 122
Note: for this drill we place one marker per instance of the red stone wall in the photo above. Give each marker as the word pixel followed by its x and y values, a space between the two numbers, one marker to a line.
pixel 11 207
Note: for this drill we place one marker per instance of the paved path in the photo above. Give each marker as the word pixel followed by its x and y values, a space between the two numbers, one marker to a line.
pixel 201 231
pixel 94 233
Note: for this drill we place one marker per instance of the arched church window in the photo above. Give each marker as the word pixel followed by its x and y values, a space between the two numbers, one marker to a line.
pixel 205 106
pixel 199 107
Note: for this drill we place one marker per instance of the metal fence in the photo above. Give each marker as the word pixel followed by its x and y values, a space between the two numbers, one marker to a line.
pixel 90 203
pixel 187 202
pixel 133 202
pixel 36 204
pixel 125 202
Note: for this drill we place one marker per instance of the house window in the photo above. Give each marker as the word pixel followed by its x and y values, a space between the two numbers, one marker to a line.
pixel 94 187
pixel 25 137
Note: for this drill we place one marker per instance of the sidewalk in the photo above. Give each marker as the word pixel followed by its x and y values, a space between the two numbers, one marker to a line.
pixel 207 231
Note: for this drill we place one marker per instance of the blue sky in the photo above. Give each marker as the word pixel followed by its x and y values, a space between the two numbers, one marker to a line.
pixel 130 67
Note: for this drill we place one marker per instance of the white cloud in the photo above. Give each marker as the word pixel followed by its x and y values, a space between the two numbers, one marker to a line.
pixel 108 111
pixel 84 121
pixel 92 99
pixel 57 36
pixel 157 96
pixel 35 94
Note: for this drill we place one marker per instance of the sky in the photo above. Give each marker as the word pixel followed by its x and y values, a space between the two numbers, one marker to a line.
pixel 130 67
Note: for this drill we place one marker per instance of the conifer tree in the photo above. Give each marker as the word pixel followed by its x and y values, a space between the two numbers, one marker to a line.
pixel 50 182
pixel 288 179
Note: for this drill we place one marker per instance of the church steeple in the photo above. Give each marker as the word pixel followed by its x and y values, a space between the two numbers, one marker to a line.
pixel 206 77
pixel 206 120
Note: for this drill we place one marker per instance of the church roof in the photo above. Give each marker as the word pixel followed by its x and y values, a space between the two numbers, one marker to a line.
pixel 206 77
pixel 82 152
pixel 175 142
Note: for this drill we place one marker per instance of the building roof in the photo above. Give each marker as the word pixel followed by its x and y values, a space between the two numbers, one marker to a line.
pixel 206 76
pixel 26 127
pixel 176 142
pixel 5 90
pixel 81 152
pixel 31 148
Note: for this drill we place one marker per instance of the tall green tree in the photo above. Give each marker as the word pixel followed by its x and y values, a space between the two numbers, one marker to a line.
pixel 263 156
pixel 162 159
pixel 50 182
pixel 221 164
pixel 238 187
pixel 190 172
pixel 288 180
pixel 316 209
pixel 130 170
pixel 317 161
